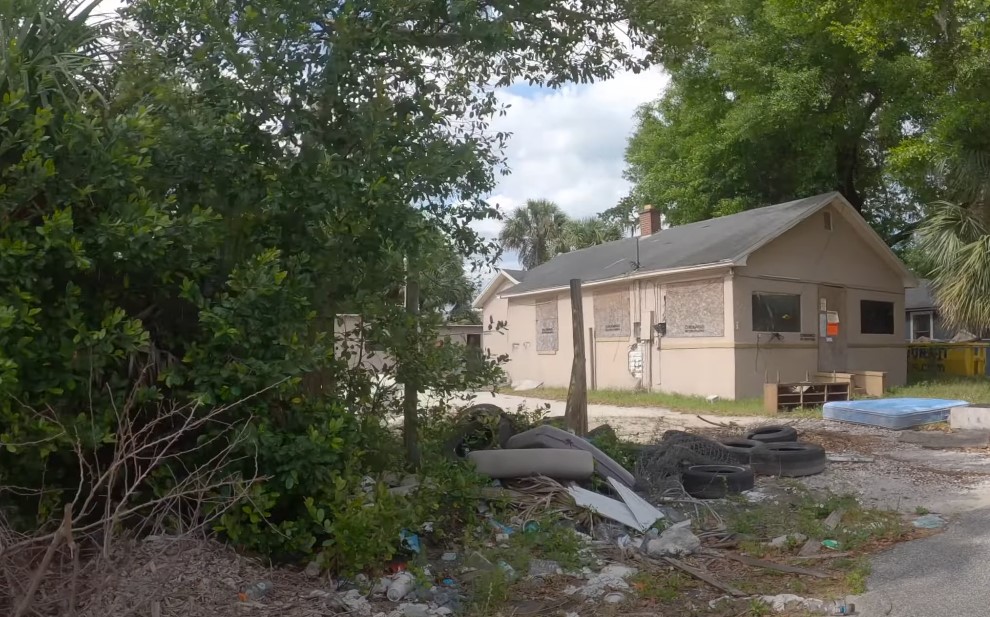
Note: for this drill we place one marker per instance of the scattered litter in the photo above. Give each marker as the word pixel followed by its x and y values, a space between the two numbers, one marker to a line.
pixel 478 561
pixel 624 541
pixel 410 541
pixel 712 398
pixel 401 585
pixel 615 598
pixel 832 544
pixel 508 569
pixel 356 603
pixel 611 578
pixel 415 610
pixel 675 541
pixel 531 527
pixel 449 557
pixel 783 541
pixel 787 602
pixel 929 521
pixel 255 591
pixel 755 495
pixel 849 458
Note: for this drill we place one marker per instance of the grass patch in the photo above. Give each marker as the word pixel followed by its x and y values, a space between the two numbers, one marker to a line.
pixel 666 400
pixel 972 389
pixel 804 512
pixel 652 587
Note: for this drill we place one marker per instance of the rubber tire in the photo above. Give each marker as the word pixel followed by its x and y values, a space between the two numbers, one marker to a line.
pixel 741 449
pixel 716 481
pixel 789 459
pixel 773 433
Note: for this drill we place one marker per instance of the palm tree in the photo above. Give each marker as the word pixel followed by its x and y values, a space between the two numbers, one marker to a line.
pixel 590 231
pixel 955 240
pixel 536 230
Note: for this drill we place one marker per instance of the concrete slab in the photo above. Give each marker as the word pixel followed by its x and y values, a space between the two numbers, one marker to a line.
pixel 946 441
pixel 970 417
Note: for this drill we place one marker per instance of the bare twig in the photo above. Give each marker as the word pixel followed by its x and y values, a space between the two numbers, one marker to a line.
pixel 779 567
pixel 65 531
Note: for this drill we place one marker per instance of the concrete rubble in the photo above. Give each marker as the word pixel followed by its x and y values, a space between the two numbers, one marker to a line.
pixel 676 541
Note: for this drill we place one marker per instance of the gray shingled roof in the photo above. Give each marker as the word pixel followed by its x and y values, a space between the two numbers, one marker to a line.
pixel 714 241
pixel 519 275
pixel 915 298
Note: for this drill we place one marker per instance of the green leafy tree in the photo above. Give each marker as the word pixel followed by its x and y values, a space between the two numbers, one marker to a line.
pixel 590 231
pixel 954 244
pixel 537 231
pixel 186 210
pixel 771 100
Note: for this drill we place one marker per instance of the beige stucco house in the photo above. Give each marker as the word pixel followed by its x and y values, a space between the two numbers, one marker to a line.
pixel 717 307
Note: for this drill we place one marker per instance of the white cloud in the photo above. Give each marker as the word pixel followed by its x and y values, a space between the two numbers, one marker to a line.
pixel 567 145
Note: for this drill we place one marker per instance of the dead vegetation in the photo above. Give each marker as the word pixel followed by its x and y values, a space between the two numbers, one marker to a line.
pixel 74 568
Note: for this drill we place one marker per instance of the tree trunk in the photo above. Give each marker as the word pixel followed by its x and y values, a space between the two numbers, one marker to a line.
pixel 410 401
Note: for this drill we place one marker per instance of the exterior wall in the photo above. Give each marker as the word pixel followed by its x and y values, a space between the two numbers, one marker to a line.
pixel 798 262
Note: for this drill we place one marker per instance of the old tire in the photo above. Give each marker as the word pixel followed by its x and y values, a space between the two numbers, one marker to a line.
pixel 789 459
pixel 716 481
pixel 741 449
pixel 773 433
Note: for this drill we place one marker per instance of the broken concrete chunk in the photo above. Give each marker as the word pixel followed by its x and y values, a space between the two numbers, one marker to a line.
pixel 674 542
pixel 618 571
pixel 783 541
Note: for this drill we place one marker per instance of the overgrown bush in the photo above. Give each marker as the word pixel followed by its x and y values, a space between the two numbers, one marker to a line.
pixel 191 196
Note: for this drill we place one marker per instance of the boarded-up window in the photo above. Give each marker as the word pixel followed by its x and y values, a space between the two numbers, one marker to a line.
pixel 695 309
pixel 612 318
pixel 546 327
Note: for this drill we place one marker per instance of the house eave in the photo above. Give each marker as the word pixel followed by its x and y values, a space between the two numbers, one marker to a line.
pixel 721 265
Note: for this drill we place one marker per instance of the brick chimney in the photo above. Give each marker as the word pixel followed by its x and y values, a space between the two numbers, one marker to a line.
pixel 649 221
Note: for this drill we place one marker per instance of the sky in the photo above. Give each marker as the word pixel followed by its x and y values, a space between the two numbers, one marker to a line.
pixel 567 145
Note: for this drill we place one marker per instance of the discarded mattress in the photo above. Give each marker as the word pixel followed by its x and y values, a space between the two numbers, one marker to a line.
pixel 893 413
pixel 558 464
pixel 553 437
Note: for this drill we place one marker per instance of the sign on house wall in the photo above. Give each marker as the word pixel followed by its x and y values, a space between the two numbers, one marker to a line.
pixel 612 319
pixel 695 309
pixel 546 327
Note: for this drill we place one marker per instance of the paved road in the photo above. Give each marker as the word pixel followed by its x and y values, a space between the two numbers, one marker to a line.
pixel 944 575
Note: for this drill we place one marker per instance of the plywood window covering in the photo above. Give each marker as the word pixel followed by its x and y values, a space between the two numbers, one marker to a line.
pixel 695 309
pixel 547 332
pixel 612 319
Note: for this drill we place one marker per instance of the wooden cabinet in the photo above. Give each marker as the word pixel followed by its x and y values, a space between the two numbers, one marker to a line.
pixel 791 396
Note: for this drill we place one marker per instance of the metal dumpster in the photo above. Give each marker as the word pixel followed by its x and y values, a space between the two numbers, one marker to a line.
pixel 966 359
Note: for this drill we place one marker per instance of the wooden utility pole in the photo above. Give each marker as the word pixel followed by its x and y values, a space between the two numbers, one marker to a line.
pixel 576 412
pixel 410 401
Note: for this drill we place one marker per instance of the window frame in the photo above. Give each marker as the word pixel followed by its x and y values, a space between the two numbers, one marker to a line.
pixel 754 304
pixel 862 320
pixel 931 323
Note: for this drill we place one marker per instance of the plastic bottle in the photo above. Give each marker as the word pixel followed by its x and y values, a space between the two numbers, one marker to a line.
pixel 255 591
pixel 841 608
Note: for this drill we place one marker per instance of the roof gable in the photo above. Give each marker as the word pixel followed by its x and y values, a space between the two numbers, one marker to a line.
pixel 503 275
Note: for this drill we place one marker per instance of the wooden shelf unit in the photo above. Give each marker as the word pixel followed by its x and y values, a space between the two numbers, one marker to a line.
pixel 791 396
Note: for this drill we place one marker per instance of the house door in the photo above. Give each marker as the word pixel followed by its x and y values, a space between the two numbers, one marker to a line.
pixel 833 323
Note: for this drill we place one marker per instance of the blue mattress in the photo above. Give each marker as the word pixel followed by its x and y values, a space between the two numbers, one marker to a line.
pixel 892 413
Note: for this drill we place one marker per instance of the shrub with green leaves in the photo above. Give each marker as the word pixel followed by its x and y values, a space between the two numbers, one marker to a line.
pixel 191 196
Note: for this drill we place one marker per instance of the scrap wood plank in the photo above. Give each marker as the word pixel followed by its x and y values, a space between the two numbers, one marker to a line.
pixel 813 544
pixel 779 567
pixel 701 575
pixel 820 556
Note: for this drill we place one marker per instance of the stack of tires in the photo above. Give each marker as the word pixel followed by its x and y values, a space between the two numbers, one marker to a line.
pixel 768 450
